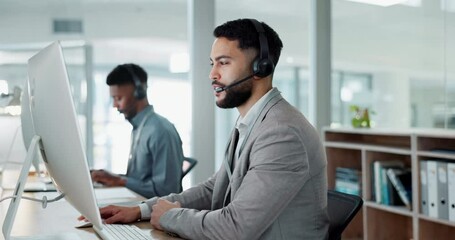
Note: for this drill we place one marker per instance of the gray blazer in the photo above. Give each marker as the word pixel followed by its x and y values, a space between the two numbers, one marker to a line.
pixel 278 186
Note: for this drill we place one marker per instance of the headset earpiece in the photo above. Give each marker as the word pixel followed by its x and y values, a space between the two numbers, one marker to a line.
pixel 262 65
pixel 139 91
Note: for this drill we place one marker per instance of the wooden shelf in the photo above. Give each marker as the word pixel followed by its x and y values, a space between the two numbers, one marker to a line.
pixel 397 141
pixel 434 230
pixel 400 210
pixel 382 224
pixel 360 148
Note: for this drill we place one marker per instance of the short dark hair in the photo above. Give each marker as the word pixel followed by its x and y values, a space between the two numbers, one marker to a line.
pixel 121 74
pixel 244 31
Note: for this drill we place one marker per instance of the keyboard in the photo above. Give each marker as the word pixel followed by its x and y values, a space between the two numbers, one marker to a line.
pixel 39 187
pixel 122 232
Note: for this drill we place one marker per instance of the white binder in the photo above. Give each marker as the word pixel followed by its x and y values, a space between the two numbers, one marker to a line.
pixel 451 190
pixel 423 188
pixel 443 209
pixel 432 175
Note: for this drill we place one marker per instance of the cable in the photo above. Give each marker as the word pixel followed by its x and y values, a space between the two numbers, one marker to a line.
pixel 44 200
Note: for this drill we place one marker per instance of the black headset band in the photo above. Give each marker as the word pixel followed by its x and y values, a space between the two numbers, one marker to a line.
pixel 263 44
pixel 139 90
pixel 136 80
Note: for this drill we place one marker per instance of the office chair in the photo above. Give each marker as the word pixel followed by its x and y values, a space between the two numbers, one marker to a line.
pixel 188 164
pixel 342 208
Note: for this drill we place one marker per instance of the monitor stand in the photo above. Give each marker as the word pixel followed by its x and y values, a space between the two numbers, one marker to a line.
pixel 14 204
pixel 8 222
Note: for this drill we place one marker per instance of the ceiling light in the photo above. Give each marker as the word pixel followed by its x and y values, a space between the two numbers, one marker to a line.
pixel 382 3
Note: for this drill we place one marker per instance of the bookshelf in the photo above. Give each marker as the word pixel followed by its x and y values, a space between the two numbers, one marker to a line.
pixel 359 148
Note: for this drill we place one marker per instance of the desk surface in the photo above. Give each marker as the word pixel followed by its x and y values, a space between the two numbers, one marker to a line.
pixel 61 218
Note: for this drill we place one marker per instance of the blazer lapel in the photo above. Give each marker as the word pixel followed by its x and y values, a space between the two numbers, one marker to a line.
pixel 233 186
pixel 223 181
pixel 224 186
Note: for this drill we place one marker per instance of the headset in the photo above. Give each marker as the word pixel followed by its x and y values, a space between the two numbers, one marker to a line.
pixel 139 91
pixel 262 65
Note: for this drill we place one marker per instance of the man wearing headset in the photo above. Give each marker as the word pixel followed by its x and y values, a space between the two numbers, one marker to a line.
pixel 273 182
pixel 156 156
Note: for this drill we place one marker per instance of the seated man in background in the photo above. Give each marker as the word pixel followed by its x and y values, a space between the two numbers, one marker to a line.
pixel 156 155
pixel 273 182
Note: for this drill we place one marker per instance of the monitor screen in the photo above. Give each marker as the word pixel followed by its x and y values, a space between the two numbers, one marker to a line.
pixel 50 127
pixel 57 137
pixel 54 119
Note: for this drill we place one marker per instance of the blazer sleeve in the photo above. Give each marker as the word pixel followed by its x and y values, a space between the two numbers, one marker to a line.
pixel 197 197
pixel 277 170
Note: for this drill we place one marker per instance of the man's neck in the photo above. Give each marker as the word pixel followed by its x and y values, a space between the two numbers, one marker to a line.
pixel 141 105
pixel 257 94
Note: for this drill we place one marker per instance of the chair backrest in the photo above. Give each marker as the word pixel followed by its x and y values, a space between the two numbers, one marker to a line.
pixel 342 208
pixel 188 164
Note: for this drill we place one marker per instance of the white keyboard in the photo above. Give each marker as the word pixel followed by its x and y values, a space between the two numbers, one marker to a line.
pixel 122 232
pixel 39 187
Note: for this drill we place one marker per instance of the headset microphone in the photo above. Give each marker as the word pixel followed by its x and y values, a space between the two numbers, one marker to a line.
pixel 220 89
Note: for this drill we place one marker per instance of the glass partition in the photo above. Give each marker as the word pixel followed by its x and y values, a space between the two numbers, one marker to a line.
pixel 407 50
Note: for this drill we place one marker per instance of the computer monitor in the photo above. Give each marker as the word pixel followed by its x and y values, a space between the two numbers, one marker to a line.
pixel 57 135
pixel 28 130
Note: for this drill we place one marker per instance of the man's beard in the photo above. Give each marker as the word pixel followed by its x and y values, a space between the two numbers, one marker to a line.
pixel 236 96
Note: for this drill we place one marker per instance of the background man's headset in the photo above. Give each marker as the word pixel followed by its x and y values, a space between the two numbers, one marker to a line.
pixel 139 91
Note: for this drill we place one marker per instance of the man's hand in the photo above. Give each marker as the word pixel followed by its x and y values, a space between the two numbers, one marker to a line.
pixel 161 207
pixel 107 178
pixel 117 214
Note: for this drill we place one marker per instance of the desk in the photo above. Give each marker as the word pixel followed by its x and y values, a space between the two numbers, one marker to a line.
pixel 60 217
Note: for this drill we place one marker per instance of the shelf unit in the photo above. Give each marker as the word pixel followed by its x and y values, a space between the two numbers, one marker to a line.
pixel 359 148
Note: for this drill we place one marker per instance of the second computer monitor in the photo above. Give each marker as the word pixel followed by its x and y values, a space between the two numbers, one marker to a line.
pixel 28 130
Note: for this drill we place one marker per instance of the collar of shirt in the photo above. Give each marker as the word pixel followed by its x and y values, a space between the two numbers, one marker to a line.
pixel 136 120
pixel 244 125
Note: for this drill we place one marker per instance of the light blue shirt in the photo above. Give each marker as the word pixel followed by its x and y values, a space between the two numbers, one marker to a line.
pixel 156 166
